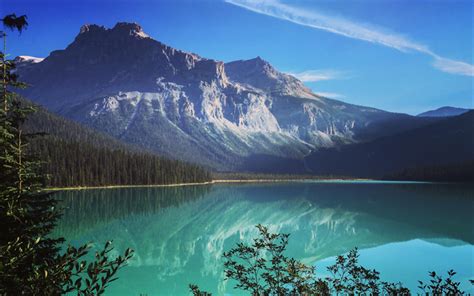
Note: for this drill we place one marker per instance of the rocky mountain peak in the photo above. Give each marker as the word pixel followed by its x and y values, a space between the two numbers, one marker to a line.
pixel 140 90
pixel 258 61
pixel 260 74
pixel 123 58
pixel 132 29
pixel 122 29
pixel 91 28
pixel 256 65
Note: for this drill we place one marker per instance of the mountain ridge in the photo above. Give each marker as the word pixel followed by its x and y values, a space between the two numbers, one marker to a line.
pixel 444 111
pixel 178 104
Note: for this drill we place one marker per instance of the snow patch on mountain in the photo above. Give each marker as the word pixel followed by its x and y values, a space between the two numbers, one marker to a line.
pixel 28 59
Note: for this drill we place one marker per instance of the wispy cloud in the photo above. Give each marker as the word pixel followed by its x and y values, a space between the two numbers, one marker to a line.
pixel 351 29
pixel 331 95
pixel 317 75
pixel 452 66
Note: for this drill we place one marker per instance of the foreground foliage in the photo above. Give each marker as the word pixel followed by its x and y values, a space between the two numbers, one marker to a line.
pixel 262 268
pixel 31 261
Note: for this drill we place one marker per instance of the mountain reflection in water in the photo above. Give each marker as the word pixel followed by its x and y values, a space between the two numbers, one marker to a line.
pixel 180 233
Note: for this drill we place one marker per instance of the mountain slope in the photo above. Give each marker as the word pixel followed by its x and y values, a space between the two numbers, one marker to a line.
pixel 138 90
pixel 443 112
pixel 75 155
pixel 446 142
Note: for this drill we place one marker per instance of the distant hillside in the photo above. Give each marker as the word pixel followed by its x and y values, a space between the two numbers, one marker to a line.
pixel 446 142
pixel 444 112
pixel 75 155
pixel 460 172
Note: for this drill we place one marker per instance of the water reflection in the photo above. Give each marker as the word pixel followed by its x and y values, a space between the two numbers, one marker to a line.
pixel 179 233
pixel 84 209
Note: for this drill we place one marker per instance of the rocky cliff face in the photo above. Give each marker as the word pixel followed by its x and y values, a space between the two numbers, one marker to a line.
pixel 179 104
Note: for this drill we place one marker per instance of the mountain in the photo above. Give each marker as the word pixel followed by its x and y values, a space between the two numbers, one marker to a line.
pixel 443 112
pixel 178 104
pixel 448 142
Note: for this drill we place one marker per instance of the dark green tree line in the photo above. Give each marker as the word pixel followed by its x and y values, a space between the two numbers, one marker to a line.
pixel 72 164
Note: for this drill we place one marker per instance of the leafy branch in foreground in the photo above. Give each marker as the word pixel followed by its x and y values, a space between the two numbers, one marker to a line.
pixel 441 286
pixel 100 273
pixel 262 268
pixel 197 292
pixel 348 277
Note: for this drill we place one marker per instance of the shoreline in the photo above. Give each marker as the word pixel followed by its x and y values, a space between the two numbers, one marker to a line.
pixel 219 181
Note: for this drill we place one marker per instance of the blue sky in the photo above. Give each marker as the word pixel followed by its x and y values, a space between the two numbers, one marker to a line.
pixel 404 55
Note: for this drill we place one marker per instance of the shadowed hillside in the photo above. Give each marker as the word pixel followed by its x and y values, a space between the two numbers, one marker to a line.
pixel 449 141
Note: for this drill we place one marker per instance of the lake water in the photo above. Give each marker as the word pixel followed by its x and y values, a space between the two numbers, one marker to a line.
pixel 179 234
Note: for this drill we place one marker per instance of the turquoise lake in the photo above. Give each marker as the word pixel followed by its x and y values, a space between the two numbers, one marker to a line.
pixel 179 234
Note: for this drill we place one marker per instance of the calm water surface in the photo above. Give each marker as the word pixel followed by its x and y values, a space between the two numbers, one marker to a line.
pixel 179 234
